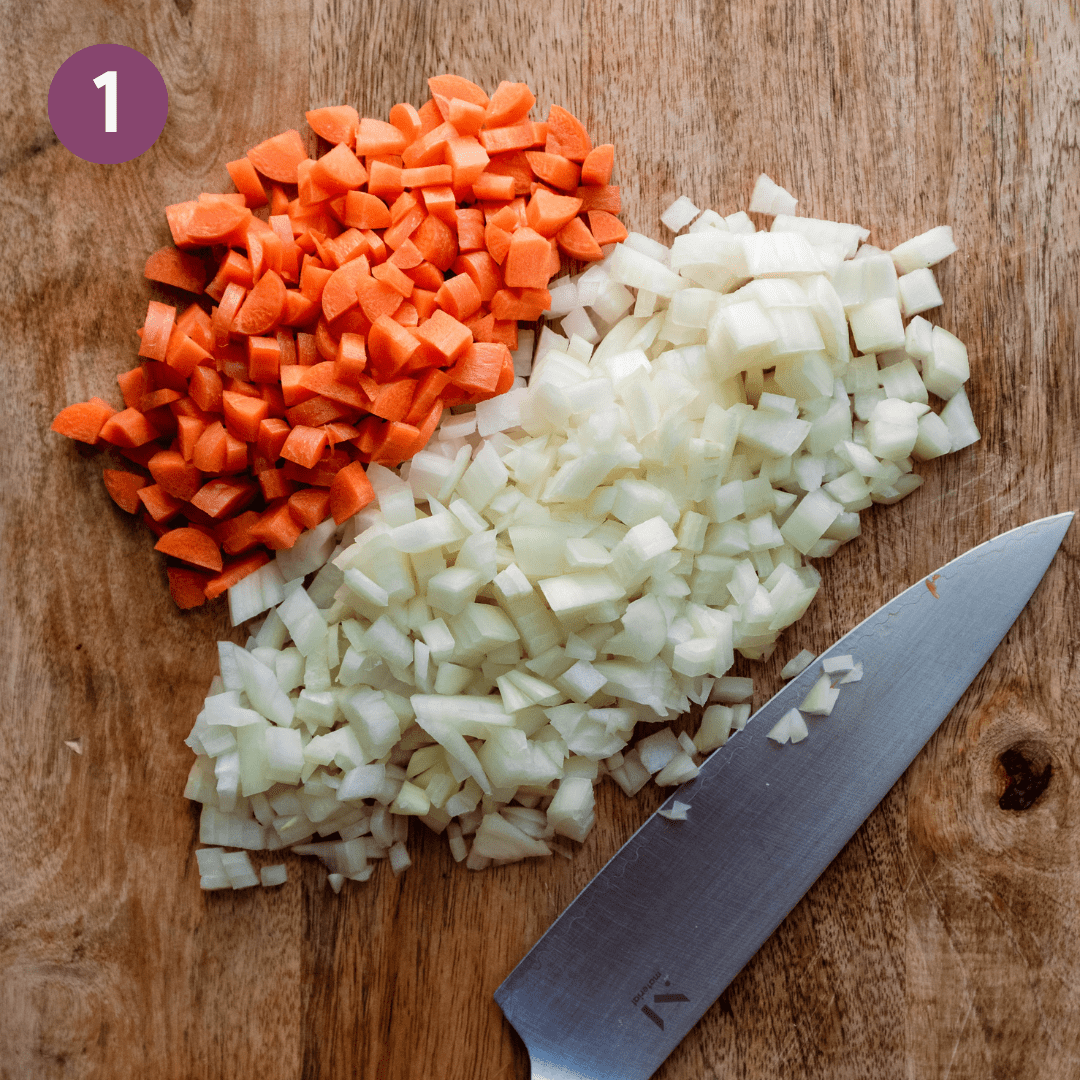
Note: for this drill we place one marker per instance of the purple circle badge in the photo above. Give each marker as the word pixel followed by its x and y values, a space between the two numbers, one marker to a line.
pixel 108 104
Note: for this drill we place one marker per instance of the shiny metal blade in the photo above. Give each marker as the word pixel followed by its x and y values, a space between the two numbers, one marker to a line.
pixel 653 940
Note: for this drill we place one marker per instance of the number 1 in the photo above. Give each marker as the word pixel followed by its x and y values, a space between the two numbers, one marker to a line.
pixel 108 80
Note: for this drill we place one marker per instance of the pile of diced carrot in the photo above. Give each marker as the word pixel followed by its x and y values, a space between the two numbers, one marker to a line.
pixel 385 285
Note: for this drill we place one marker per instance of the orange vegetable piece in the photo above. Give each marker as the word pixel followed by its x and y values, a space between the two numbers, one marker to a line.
pixel 243 175
pixel 467 157
pixel 340 291
pixel 304 445
pixel 455 86
pixel 478 370
pixel 191 546
pixel 497 241
pixel 384 180
pixel 429 148
pixel 516 165
pixel 391 274
pixel 407 120
pixel 184 355
pixel 278 158
pixel 554 169
pixel 274 484
pixel 156 330
pixel 187 586
pixel 262 307
pixel 394 399
pixel 176 476
pixel 598 165
pixel 225 496
pixel 376 137
pixel 377 297
pixel 566 135
pixel 600 197
pixel 244 413
pixel 436 242
pixel 470 229
pixel 527 260
pixel 171 266
pixel 510 104
pixel 547 212
pixel 365 211
pixel 350 492
pixel 483 270
pixel 334 123
pixel 235 571
pixel 205 389
pixel 310 506
pixel 606 228
pixel 390 347
pixel 338 171
pixel 83 420
pixel 577 242
pixel 123 487
pixel 512 137
pixel 459 296
pixel 128 428
pixel 208 454
pixel 446 335
pixel 493 187
pixel 159 504
pixel 466 116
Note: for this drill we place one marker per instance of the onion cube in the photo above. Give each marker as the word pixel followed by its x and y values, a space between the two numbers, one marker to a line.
pixel 946 368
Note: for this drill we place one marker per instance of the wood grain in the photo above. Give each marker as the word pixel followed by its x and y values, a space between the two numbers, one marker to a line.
pixel 943 942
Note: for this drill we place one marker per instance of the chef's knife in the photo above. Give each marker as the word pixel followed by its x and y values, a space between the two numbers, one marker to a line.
pixel 655 938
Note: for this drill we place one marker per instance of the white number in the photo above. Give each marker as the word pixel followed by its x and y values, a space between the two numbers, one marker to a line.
pixel 108 80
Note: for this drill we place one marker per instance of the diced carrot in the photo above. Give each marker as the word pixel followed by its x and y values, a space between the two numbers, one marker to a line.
pixel 195 322
pixel 376 137
pixel 441 203
pixel 156 330
pixel 467 157
pixel 123 487
pixel 224 316
pixel 426 276
pixel 429 148
pixel 424 302
pixel 159 504
pixel 215 219
pixel 365 211
pixel 187 586
pixel 547 212
pixel 377 298
pixel 484 271
pixel 334 123
pixel 554 169
pixel 318 410
pixel 327 468
pixel 234 267
pixel 185 355
pixel 299 310
pixel 311 192
pixel 264 358
pixel 313 279
pixel 84 420
pixel 404 227
pixel 205 389
pixel 459 297
pixel 271 437
pixel 598 164
pixel 384 180
pixel 351 358
pixel 470 229
pixel 225 496
pixel 390 274
pixel 262 307
pixel 188 431
pixel 466 116
pixel 497 241
pixel 177 477
pixel 394 399
pixel 243 175
pixel 566 135
pixel 208 454
pixel 406 119
pixel 527 260
pixel 600 197
pixel 178 215
pixel 493 186
pixel 436 242
pixel 577 242
pixel 428 176
pixel 171 266
pixel 128 428
pixel 455 86
pixel 309 506
pixel 510 104
pixel 244 414
pixel 235 571
pixel 390 347
pixel 513 163
pixel 477 372
pixel 482 327
pixel 304 445
pixel 191 546
pixel 500 140
pixel 236 454
pixel 428 390
pixel 446 335
pixel 338 171
pixel 606 228
pixel 234 533
pixel 397 444
pixel 337 431
pixel 274 484
pixel 278 158
pixel 275 400
pixel 350 492
pixel 339 293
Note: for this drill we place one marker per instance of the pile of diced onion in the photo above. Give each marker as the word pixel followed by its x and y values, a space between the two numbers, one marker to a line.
pixel 583 554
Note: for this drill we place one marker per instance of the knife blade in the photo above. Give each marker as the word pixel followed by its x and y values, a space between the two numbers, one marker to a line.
pixel 654 939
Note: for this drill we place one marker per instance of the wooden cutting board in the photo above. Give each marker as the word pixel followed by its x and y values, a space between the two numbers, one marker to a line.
pixel 942 942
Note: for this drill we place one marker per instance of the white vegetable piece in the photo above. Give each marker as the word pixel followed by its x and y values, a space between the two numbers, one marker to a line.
pixel 945 368
pixel 926 249
pixel 797 664
pixel 821 699
pixel 679 214
pixel 275 874
pixel 768 197
pixel 676 812
pixel 918 291
pixel 789 728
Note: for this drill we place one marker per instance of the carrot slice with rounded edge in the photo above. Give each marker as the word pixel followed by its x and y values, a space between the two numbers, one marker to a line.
pixel 466 116
pixel 304 445
pixel 277 158
pixel 365 211
pixel 478 370
pixel 510 104
pixel 310 506
pixel 247 182
pixel 225 496
pixel 406 119
pixel 456 86
pixel 376 137
pixel 435 240
pixel 235 571
pixel 527 260
pixel 600 197
pixel 159 504
pixel 577 242
pixel 467 158
pixel 390 347
pixel 123 487
pixel 244 414
pixel 277 528
pixel 547 212
pixel 234 534
pixel 83 420
pixel 598 164
pixel 187 586
pixel 334 123
pixel 191 546
pixel 339 170
pixel 554 169
pixel 566 135
pixel 606 228
pixel 128 428
pixel 176 476
pixel 350 492
pixel 262 307
pixel 459 296
pixel 171 266
pixel 339 293
pixel 500 140
pixel 156 330
pixel 377 297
